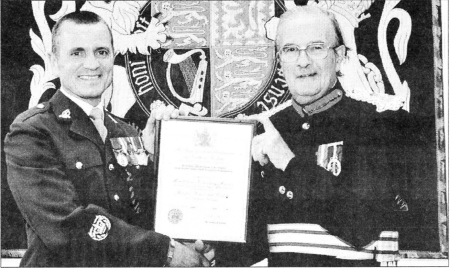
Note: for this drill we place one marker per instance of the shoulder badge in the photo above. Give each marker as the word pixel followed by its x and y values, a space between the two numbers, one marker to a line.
pixel 100 228
pixel 65 114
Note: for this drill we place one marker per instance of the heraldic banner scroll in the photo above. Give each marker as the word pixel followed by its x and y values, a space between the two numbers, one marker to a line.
pixel 218 59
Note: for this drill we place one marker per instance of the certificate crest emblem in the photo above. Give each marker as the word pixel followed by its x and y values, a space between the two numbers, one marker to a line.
pixel 100 228
pixel 204 138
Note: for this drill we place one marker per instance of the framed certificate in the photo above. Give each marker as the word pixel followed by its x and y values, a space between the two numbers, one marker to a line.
pixel 203 170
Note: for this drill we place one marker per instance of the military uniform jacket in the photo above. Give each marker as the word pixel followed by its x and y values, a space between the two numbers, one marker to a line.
pixel 342 188
pixel 76 200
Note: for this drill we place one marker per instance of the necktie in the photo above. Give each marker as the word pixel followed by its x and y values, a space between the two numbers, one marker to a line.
pixel 97 118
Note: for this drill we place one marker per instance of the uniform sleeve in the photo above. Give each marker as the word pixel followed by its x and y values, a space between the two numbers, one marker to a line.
pixel 78 235
pixel 256 247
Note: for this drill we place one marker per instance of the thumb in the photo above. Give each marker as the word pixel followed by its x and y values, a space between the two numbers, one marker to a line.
pixel 204 261
pixel 151 121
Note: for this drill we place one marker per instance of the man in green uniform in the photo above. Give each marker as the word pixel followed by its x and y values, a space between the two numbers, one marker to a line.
pixel 80 175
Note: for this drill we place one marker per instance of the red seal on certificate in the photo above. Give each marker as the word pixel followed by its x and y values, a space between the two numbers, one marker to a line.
pixel 175 216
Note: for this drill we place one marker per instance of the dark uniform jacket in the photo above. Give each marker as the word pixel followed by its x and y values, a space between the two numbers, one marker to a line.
pixel 346 183
pixel 76 200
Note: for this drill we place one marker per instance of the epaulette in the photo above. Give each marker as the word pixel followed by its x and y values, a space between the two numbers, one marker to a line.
pixel 38 109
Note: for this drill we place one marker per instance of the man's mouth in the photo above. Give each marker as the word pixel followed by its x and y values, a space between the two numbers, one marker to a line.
pixel 89 77
pixel 306 75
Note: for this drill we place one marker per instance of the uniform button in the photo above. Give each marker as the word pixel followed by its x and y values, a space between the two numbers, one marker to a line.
pixel 262 174
pixel 116 197
pixel 40 106
pixel 138 167
pixel 111 167
pixel 79 165
pixel 306 126
pixel 290 195
pixel 282 189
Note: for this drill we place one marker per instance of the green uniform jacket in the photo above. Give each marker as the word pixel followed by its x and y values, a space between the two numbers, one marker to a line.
pixel 75 198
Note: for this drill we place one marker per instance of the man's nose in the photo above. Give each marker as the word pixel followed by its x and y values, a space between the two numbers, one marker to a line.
pixel 303 59
pixel 91 62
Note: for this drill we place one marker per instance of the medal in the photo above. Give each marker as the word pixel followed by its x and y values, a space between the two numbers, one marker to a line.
pixel 334 166
pixel 142 158
pixel 122 159
pixel 329 156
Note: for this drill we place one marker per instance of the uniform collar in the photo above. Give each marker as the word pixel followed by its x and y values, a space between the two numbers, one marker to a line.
pixel 320 105
pixel 68 112
pixel 86 107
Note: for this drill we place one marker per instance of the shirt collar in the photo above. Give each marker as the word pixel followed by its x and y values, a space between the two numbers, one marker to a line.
pixel 320 105
pixel 86 107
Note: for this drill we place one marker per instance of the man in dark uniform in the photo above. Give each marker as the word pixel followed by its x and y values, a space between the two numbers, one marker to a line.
pixel 79 174
pixel 333 171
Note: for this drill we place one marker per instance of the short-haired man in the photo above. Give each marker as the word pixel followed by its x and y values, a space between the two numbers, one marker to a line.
pixel 78 173
pixel 332 166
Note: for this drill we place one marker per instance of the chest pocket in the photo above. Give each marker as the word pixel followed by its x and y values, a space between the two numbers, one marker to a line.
pixel 85 168
pixel 83 161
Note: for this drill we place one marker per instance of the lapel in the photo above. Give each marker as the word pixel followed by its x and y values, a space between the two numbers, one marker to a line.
pixel 115 128
pixel 80 124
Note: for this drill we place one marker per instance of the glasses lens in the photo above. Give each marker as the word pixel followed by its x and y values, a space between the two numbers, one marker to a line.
pixel 317 51
pixel 289 54
pixel 314 51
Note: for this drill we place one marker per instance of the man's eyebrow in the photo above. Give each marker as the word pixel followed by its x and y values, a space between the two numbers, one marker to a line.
pixel 103 48
pixel 310 43
pixel 290 44
pixel 77 49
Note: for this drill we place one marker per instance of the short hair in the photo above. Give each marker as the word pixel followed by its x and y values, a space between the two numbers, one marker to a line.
pixel 78 17
pixel 297 11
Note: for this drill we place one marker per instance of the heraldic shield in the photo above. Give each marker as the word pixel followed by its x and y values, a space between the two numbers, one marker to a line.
pixel 216 62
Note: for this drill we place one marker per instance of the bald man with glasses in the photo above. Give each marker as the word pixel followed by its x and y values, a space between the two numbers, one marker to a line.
pixel 332 172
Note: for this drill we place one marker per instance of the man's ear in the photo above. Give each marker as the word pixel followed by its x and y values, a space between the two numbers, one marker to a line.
pixel 340 55
pixel 278 59
pixel 54 63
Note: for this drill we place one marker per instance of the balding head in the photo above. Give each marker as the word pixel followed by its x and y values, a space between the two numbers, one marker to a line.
pixel 301 11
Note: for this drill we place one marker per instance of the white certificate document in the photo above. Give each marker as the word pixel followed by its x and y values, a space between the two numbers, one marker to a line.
pixel 203 179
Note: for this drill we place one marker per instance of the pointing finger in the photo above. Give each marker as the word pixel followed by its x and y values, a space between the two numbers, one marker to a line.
pixel 268 126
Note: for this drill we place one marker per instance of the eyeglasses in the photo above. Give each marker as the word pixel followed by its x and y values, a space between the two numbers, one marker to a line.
pixel 315 51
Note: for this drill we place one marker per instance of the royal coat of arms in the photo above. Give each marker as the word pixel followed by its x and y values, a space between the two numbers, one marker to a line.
pixel 218 58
